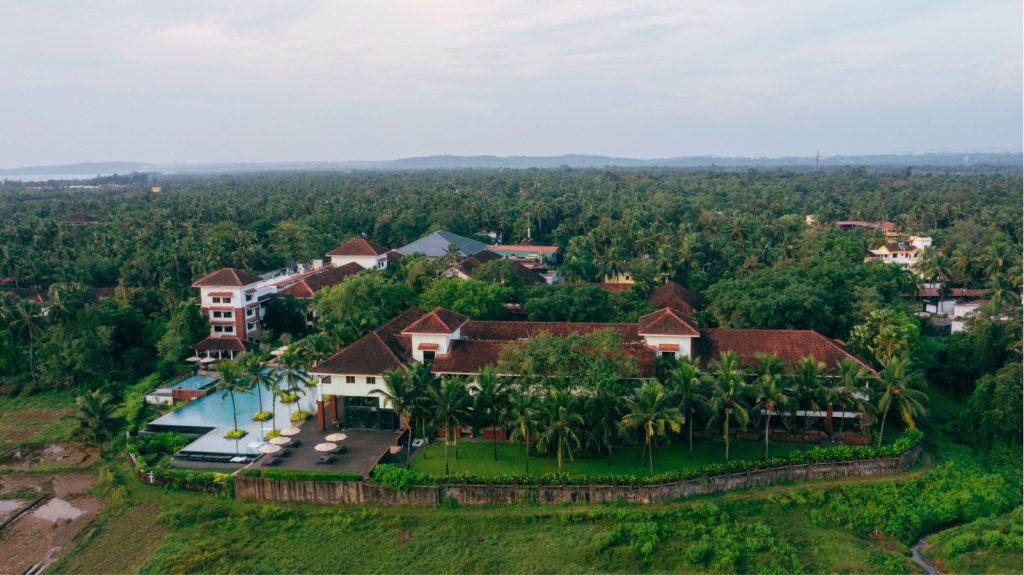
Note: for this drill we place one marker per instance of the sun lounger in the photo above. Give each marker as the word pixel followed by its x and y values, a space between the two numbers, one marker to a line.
pixel 326 459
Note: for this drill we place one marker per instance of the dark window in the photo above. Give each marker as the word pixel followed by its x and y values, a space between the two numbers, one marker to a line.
pixel 371 380
pixel 350 379
pixel 428 356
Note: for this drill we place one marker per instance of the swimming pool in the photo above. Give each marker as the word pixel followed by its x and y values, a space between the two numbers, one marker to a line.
pixel 211 416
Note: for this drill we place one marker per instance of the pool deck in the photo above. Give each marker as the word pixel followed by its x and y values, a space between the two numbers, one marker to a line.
pixel 365 448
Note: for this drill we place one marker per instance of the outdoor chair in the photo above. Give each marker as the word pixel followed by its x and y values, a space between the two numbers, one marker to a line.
pixel 326 459
pixel 273 461
pixel 342 450
pixel 296 442
pixel 285 453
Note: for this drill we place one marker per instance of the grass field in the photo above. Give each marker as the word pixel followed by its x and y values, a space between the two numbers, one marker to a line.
pixel 477 457
pixel 38 418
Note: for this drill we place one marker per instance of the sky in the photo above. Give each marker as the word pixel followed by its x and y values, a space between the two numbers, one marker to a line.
pixel 254 81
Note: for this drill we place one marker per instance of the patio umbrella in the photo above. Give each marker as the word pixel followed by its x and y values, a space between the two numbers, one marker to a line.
pixel 194 358
pixel 290 431
pixel 208 360
pixel 269 448
pixel 326 447
pixel 336 437
pixel 280 441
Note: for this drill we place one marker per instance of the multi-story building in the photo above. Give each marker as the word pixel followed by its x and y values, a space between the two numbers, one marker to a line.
pixel 234 302
pixel 368 254
pixel 905 253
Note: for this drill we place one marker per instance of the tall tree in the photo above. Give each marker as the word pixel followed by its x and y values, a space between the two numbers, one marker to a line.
pixel 401 394
pixel 232 380
pixel 770 393
pixel 651 411
pixel 728 391
pixel 489 403
pixel 525 421
pixel 561 425
pixel 899 379
pixel 449 403
pixel 689 391
pixel 95 416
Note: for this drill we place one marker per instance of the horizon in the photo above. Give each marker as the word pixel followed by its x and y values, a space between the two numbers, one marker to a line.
pixel 229 82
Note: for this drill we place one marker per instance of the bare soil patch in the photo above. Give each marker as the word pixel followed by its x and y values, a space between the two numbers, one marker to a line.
pixel 27 457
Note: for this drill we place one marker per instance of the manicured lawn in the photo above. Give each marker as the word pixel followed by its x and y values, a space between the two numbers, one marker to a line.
pixel 477 457
pixel 36 418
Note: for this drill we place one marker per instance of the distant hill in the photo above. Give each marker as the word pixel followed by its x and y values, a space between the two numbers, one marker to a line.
pixel 446 162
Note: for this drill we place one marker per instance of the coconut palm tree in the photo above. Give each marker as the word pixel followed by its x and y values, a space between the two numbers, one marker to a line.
pixel 400 393
pixel 524 419
pixel 292 373
pixel 769 390
pixel 688 391
pixel 258 376
pixel 449 404
pixel 489 403
pixel 651 411
pixel 25 318
pixel 805 385
pixel 95 417
pixel 603 415
pixel 232 380
pixel 561 424
pixel 899 379
pixel 852 390
pixel 728 389
pixel 422 381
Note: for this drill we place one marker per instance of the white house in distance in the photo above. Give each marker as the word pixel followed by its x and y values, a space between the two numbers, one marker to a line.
pixel 906 253
pixel 368 254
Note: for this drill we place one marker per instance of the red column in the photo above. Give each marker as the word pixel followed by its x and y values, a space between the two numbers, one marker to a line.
pixel 334 408
pixel 321 417
pixel 828 420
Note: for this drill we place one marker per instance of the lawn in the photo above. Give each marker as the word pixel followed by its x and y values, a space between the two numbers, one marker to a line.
pixel 477 457
pixel 36 418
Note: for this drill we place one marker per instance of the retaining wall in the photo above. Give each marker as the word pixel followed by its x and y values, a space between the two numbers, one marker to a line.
pixel 350 492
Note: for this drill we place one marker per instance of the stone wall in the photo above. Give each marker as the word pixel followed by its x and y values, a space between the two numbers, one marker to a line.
pixel 350 492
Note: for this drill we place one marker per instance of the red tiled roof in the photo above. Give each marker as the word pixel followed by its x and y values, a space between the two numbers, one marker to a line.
pixel 524 248
pixel 671 294
pixel 393 256
pixel 788 345
pixel 358 247
pixel 378 351
pixel 318 280
pixel 30 293
pixel 953 292
pixel 667 321
pixel 469 264
pixel 469 356
pixel 516 330
pixel 213 343
pixel 438 320
pixel 227 277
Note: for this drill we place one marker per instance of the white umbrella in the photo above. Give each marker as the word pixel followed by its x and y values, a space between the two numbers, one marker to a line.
pixel 281 441
pixel 208 360
pixel 269 448
pixel 336 437
pixel 194 358
pixel 325 447
pixel 291 431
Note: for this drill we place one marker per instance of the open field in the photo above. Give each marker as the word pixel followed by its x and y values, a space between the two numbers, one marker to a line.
pixel 35 419
pixel 477 457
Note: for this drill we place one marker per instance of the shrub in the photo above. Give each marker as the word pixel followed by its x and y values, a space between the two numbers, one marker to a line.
pixel 262 416
pixel 399 478
pixel 235 434
pixel 272 434
pixel 301 415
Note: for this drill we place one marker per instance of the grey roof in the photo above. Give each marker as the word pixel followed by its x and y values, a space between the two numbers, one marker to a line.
pixel 436 245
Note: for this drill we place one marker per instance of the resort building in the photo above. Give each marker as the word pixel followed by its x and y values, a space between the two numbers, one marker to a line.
pixel 361 251
pixel 466 268
pixel 451 343
pixel 441 243
pixel 234 303
pixel 891 229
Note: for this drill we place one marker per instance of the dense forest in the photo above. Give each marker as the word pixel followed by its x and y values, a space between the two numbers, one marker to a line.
pixel 739 238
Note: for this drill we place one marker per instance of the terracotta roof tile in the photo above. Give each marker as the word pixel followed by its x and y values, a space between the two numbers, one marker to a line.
pixel 667 321
pixel 318 280
pixel 358 247
pixel 671 294
pixel 438 320
pixel 227 277
pixel 213 343
pixel 376 352
pixel 788 345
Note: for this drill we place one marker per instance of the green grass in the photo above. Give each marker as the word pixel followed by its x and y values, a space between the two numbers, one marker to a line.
pixel 477 457
pixel 987 545
pixel 34 419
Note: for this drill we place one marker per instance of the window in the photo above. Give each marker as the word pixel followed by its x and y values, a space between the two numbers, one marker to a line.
pixel 222 314
pixel 428 356
pixel 248 297
pixel 668 354
pixel 217 299
pixel 371 380
pixel 224 329
pixel 350 379
pixel 250 312
pixel 250 326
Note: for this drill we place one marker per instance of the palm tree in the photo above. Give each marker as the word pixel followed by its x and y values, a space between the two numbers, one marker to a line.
pixel 523 412
pixel 853 392
pixel 25 318
pixel 806 385
pixel 258 376
pixel 422 381
pixel 291 371
pixel 772 397
pixel 95 417
pixel 898 379
pixel 934 266
pixel 727 392
pixel 689 391
pixel 651 411
pixel 561 424
pixel 489 402
pixel 232 379
pixel 401 394
pixel 603 415
pixel 449 403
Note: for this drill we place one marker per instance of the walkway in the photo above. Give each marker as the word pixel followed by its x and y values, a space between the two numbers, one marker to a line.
pixel 365 448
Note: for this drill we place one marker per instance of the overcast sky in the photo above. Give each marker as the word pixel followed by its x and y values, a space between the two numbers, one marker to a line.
pixel 362 80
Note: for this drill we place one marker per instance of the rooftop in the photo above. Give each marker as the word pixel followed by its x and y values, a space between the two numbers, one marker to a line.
pixel 435 245
pixel 227 277
pixel 359 247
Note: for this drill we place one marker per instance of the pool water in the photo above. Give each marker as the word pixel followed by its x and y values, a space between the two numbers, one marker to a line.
pixel 211 415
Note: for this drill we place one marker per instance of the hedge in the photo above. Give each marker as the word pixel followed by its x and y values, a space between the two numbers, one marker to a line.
pixel 191 480
pixel 402 479
pixel 302 475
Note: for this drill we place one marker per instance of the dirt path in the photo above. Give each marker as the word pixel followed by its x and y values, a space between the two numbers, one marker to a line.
pixel 915 556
